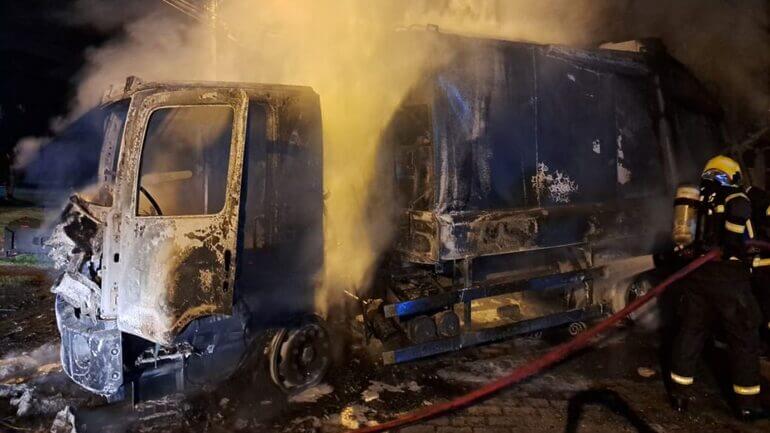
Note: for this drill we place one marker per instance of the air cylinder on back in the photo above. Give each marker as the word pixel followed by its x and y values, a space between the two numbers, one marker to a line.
pixel 685 215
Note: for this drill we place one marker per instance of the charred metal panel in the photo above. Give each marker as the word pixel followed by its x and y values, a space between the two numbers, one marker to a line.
pixel 167 270
pixel 91 350
pixel 473 234
pixel 639 161
pixel 280 245
pixel 540 147
pixel 413 148
pixel 485 127
pixel 576 150
pixel 418 236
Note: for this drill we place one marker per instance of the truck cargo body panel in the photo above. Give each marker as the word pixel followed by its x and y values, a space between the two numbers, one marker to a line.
pixel 515 147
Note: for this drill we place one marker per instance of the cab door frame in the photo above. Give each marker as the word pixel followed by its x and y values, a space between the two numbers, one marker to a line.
pixel 165 271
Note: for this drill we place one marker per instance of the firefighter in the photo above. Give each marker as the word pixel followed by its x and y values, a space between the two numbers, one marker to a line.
pixel 760 275
pixel 719 292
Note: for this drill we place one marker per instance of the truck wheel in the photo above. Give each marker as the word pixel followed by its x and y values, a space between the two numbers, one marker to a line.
pixel 300 357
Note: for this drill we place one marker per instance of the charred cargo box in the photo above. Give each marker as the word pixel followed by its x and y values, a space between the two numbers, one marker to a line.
pixel 510 147
pixel 521 167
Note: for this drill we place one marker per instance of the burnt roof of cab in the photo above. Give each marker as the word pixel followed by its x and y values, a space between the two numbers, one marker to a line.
pixel 134 85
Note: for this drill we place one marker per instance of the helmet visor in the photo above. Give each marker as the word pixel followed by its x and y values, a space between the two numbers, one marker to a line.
pixel 717 176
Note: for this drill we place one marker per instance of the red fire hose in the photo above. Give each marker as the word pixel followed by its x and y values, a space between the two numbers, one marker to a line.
pixel 555 355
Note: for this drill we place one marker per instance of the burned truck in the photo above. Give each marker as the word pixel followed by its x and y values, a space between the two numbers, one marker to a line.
pixel 516 169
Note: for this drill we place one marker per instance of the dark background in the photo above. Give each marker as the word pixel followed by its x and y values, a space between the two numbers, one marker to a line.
pixel 40 55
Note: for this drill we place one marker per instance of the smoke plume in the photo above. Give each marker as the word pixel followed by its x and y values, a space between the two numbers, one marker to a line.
pixel 344 50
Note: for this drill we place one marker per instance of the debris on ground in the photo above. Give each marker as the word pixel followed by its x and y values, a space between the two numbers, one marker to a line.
pixel 645 372
pixel 476 372
pixel 28 402
pixel 355 416
pixel 64 422
pixel 311 395
pixel 375 388
pixel 304 424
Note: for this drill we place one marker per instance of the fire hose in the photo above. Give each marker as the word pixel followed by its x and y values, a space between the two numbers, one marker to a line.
pixel 552 357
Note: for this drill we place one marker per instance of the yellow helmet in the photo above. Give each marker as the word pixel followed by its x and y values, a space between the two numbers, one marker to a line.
pixel 721 164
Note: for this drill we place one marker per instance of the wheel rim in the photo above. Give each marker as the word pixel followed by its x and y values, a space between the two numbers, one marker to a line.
pixel 300 357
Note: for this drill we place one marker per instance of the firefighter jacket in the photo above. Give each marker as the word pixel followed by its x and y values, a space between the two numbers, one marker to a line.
pixel 724 220
pixel 760 221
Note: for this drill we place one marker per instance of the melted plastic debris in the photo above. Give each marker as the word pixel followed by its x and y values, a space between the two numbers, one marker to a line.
pixel 78 291
pixel 311 395
pixel 558 185
pixel 28 403
pixel 375 388
pixel 64 422
pixel 60 247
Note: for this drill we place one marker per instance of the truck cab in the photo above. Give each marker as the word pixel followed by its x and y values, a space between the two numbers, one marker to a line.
pixel 203 231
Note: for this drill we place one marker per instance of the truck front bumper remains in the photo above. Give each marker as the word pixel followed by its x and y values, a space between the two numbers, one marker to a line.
pixel 91 350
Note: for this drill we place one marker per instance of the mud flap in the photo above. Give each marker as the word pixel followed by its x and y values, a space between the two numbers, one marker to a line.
pixel 91 352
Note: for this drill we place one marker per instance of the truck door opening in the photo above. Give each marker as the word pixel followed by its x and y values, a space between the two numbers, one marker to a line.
pixel 184 161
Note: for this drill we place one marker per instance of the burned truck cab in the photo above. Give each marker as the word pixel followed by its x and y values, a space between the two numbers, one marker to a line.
pixel 204 232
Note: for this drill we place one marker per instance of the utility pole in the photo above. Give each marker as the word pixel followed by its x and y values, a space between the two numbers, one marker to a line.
pixel 208 15
pixel 211 8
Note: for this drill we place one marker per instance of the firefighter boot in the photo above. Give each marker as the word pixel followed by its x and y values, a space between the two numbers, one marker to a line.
pixel 680 397
pixel 748 408
pixel 680 403
pixel 752 412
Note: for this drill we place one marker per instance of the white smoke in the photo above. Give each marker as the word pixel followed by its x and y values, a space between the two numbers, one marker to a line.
pixel 344 50
pixel 27 150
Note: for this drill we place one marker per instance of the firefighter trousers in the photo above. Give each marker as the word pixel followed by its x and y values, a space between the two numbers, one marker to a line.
pixel 719 294
pixel 760 281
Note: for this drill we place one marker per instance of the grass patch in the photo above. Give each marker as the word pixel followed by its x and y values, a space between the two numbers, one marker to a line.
pixel 8 214
pixel 26 260
pixel 17 280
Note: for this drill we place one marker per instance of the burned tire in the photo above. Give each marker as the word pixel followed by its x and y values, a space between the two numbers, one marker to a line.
pixel 576 328
pixel 300 357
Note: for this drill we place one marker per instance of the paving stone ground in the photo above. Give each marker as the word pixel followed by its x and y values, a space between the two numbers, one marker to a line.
pixel 596 390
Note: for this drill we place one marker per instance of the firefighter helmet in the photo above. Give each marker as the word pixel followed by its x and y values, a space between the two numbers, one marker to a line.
pixel 722 169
